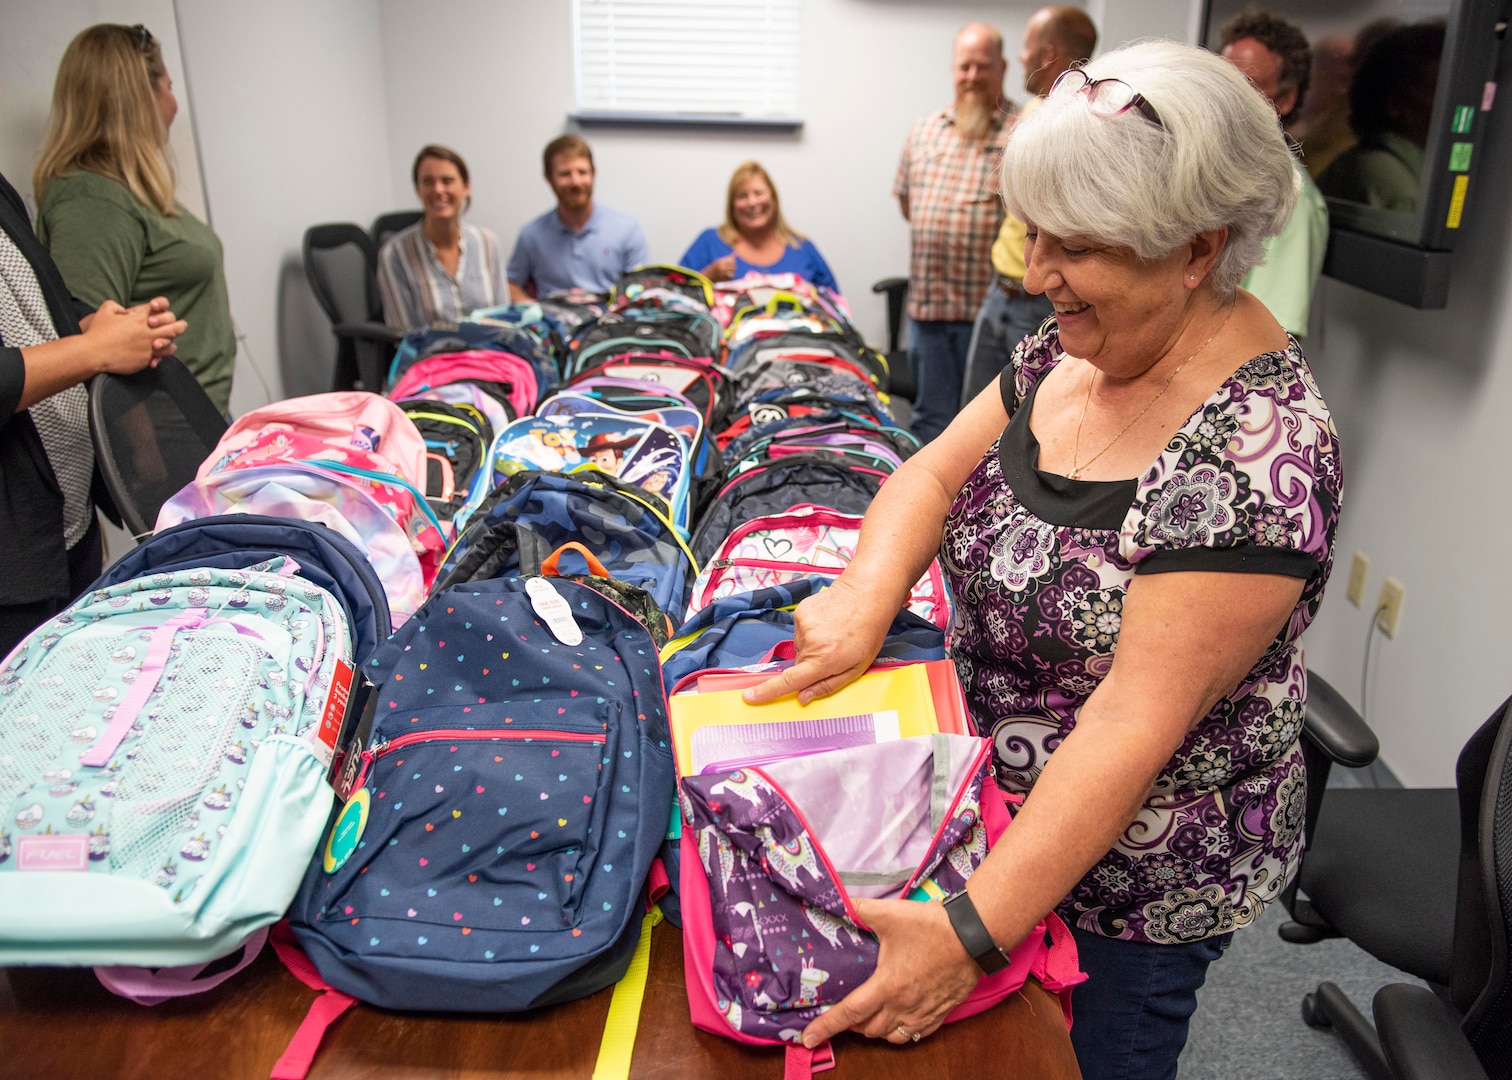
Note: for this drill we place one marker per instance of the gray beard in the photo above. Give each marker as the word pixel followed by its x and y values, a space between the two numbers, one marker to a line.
pixel 974 116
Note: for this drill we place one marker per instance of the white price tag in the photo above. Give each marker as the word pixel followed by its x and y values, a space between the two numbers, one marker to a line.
pixel 553 610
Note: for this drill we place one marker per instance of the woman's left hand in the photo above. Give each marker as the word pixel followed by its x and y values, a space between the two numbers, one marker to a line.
pixel 922 973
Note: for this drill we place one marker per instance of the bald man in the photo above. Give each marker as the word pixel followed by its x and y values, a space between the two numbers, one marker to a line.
pixel 947 188
pixel 1055 39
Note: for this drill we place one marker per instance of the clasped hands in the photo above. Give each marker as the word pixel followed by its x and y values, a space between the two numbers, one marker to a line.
pixel 123 340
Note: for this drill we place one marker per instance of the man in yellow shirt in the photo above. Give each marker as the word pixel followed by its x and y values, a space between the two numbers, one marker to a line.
pixel 1055 39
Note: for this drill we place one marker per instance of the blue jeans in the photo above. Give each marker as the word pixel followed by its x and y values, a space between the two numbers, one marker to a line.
pixel 938 352
pixel 1130 1016
pixel 1002 323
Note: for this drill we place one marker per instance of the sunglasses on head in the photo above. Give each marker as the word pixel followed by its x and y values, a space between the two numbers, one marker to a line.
pixel 1106 97
pixel 141 37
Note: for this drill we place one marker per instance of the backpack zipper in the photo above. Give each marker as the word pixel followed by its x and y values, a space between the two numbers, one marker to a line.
pixel 382 478
pixel 384 746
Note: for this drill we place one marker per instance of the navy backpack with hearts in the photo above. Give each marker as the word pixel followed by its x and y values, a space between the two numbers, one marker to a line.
pixel 494 851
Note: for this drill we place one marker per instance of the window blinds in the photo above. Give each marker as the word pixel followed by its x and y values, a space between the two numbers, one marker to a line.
pixel 703 60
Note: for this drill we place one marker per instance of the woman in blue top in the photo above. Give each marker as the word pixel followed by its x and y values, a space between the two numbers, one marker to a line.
pixel 754 238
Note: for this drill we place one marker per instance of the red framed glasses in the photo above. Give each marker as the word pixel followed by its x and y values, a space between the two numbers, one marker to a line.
pixel 1106 97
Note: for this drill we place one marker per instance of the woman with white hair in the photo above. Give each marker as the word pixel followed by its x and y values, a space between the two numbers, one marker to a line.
pixel 1137 522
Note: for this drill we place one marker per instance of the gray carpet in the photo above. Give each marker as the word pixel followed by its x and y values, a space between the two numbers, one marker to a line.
pixel 1249 1019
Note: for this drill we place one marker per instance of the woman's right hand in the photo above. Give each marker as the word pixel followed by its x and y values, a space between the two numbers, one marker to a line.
pixel 125 340
pixel 721 269
pixel 838 632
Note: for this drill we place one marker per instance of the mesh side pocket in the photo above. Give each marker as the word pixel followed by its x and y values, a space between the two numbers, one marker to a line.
pixel 206 699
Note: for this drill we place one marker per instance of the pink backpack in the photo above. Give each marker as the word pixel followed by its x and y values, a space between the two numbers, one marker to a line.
pixel 514 374
pixel 346 420
pixel 399 498
pixel 306 492
pixel 797 543
pixel 770 934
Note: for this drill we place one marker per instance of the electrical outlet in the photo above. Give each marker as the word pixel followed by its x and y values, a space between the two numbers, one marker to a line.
pixel 1389 606
pixel 1359 570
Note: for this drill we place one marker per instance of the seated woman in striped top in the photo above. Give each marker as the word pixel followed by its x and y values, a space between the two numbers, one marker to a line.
pixel 440 269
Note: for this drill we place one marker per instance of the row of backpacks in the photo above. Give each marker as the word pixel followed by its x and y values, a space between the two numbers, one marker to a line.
pixel 398 665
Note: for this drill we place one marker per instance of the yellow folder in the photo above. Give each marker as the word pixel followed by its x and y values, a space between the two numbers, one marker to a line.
pixel 904 690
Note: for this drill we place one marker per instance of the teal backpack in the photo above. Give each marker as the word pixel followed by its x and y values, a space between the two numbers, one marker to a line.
pixel 162 776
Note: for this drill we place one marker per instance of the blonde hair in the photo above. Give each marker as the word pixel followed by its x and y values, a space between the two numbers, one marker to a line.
pixel 104 115
pixel 743 172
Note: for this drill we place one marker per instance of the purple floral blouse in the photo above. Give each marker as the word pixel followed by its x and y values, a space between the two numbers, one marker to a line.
pixel 1040 565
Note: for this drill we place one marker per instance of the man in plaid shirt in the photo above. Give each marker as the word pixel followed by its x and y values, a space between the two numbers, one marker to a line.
pixel 947 187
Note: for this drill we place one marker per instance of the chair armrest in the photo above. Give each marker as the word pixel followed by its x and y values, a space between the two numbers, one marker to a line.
pixel 1333 725
pixel 1421 1036
pixel 888 284
pixel 369 331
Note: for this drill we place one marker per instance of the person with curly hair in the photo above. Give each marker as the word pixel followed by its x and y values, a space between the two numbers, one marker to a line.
pixel 1273 54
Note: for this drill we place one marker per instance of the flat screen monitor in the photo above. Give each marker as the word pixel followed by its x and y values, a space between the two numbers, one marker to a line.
pixel 1391 127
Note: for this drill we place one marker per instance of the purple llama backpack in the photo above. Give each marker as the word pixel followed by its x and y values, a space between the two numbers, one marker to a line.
pixel 773 854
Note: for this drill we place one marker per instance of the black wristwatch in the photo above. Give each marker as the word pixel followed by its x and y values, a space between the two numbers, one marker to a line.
pixel 973 934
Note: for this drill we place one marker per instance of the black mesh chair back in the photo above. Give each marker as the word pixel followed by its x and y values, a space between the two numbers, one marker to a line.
pixel 341 263
pixel 1479 987
pixel 151 432
pixel 901 377
pixel 386 225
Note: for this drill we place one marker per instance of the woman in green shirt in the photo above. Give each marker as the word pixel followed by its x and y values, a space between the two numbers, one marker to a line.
pixel 105 193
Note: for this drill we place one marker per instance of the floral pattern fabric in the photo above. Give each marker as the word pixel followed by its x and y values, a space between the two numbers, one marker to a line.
pixel 1251 482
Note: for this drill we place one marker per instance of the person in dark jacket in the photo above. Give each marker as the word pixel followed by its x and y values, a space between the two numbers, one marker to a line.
pixel 50 345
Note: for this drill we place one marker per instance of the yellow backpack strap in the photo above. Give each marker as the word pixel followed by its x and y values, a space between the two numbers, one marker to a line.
pixel 623 1021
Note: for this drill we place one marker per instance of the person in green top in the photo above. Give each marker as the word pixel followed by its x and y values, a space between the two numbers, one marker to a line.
pixel 105 193
pixel 1274 55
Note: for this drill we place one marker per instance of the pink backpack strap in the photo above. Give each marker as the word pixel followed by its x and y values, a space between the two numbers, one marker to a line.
pixel 801 1063
pixel 448 476
pixel 324 1010
pixel 148 987
pixel 1057 965
pixel 657 883
pixel 152 670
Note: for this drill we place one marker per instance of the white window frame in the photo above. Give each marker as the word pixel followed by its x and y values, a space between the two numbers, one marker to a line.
pixel 687 62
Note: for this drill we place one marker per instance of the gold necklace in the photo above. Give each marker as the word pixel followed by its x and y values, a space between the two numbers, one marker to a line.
pixel 1076 469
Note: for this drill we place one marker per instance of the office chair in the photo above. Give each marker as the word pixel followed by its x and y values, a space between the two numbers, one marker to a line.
pixel 1422 880
pixel 386 225
pixel 151 432
pixel 341 264
pixel 900 367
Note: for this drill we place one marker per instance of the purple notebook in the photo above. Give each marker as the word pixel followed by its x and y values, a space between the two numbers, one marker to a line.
pixel 724 747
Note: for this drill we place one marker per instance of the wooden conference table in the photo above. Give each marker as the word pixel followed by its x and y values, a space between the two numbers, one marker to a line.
pixel 61 1024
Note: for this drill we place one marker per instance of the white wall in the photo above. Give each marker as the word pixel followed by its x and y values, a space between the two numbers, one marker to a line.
pixel 868 69
pixel 31 44
pixel 1422 401
pixel 292 118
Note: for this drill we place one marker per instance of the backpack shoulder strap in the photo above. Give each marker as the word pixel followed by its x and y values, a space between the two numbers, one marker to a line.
pixel 623 1021
pixel 324 1010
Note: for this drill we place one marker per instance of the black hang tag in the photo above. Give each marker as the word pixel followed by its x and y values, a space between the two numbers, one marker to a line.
pixel 356 727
